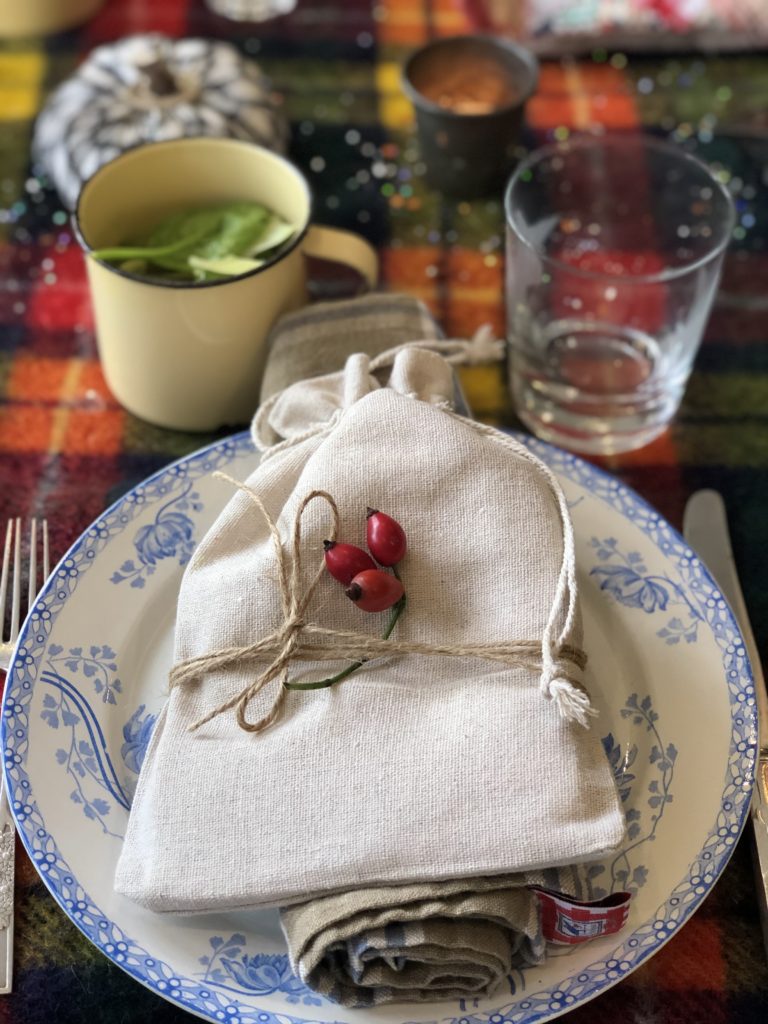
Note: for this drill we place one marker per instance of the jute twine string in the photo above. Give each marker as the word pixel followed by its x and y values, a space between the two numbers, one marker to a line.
pixel 298 639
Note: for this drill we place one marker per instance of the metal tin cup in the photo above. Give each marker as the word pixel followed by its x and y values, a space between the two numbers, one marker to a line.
pixel 191 356
pixel 469 93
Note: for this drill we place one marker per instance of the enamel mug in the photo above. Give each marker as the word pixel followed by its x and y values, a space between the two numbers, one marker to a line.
pixel 191 356
pixel 43 17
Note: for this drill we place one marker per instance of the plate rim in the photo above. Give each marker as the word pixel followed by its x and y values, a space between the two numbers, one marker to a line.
pixel 614 970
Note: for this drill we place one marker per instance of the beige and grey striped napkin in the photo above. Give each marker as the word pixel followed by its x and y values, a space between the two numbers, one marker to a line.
pixel 420 943
pixel 319 339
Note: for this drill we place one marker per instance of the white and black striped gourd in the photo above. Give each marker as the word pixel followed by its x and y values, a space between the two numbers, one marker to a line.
pixel 149 88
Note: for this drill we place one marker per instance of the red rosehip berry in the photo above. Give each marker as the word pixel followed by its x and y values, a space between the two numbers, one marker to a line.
pixel 374 590
pixel 345 561
pixel 385 538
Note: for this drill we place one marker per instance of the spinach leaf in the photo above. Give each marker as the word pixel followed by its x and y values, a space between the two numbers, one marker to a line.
pixel 205 244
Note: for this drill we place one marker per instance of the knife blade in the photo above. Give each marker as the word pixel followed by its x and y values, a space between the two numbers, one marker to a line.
pixel 705 527
pixel 7 858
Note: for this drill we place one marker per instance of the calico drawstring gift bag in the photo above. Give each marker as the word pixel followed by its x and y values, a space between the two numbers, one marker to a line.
pixel 414 785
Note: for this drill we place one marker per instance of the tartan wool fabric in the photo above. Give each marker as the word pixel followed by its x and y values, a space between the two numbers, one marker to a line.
pixel 67 449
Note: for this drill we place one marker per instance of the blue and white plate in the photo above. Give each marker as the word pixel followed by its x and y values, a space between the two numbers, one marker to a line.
pixel 667 667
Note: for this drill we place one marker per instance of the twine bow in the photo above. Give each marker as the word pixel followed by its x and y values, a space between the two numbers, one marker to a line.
pixel 297 639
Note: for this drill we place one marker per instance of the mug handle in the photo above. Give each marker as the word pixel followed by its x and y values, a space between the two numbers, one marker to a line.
pixel 339 246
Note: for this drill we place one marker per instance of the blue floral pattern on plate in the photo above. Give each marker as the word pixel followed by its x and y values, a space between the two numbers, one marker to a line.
pixel 625 577
pixel 85 758
pixel 137 732
pixel 260 974
pixel 624 872
pixel 171 535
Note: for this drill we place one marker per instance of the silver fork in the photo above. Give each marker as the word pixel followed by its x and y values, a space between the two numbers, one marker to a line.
pixel 11 572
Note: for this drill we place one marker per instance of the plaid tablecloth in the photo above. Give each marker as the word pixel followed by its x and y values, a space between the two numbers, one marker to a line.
pixel 67 449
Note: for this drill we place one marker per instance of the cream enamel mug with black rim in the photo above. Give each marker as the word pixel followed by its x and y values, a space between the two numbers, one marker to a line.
pixel 191 356
pixel 43 17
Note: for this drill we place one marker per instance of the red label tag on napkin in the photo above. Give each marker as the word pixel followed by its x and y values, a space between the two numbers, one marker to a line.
pixel 567 921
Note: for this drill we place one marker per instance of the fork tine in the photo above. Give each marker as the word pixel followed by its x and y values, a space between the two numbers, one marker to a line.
pixel 46 552
pixel 32 582
pixel 11 574
pixel 16 593
pixel 4 576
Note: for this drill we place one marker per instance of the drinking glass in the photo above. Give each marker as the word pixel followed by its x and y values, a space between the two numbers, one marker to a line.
pixel 614 251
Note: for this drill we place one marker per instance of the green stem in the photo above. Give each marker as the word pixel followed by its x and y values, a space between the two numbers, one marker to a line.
pixel 150 253
pixel 321 684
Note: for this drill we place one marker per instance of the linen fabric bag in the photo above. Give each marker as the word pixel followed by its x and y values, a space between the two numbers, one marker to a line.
pixel 459 752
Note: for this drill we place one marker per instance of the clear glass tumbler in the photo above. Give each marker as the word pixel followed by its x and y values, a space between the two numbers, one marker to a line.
pixel 614 251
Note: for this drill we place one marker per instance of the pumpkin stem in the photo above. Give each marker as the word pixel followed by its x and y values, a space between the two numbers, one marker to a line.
pixel 160 80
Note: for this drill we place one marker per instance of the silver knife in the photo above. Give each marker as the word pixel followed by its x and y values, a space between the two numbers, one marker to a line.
pixel 7 859
pixel 705 526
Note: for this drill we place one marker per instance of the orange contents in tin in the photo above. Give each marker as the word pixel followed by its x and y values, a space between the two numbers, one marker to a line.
pixel 471 87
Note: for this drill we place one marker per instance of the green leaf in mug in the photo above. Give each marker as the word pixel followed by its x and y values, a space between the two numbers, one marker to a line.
pixel 240 227
pixel 227 235
pixel 152 253
pixel 134 266
pixel 274 235
pixel 183 233
pixel 224 266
